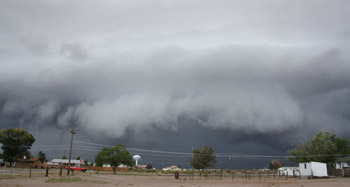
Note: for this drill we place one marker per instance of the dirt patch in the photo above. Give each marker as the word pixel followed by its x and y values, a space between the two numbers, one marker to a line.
pixel 158 181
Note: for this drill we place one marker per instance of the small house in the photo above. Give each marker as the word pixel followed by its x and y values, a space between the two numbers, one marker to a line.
pixel 343 163
pixel 30 163
pixel 313 169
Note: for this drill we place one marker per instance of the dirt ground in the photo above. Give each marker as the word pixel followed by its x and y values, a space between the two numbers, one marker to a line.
pixel 154 181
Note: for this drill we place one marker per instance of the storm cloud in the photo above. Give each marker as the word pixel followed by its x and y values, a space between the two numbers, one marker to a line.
pixel 251 70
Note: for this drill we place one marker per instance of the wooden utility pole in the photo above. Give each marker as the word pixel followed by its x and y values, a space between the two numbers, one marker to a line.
pixel 192 165
pixel 73 131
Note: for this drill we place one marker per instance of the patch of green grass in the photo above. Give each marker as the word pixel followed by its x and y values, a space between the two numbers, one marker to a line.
pixel 64 180
pixel 73 179
pixel 4 177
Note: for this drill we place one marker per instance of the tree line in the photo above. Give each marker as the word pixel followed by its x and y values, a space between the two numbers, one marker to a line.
pixel 324 147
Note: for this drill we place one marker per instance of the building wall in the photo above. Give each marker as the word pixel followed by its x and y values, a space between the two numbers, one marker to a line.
pixel 341 165
pixel 36 164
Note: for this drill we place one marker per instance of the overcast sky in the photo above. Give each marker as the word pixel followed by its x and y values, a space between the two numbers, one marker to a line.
pixel 246 76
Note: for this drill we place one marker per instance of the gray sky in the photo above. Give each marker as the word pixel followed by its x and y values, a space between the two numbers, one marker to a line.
pixel 241 76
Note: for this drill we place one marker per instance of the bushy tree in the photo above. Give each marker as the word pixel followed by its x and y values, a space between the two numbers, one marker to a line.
pixel 324 147
pixel 64 157
pixel 203 158
pixel 149 166
pixel 78 158
pixel 114 156
pixel 275 164
pixel 42 157
pixel 15 144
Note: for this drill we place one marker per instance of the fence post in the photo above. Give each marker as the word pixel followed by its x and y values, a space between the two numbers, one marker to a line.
pixel 47 172
pixel 30 173
pixel 11 171
pixel 60 171
pixel 177 173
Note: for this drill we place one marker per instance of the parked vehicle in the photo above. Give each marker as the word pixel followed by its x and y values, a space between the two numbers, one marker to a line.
pixel 77 168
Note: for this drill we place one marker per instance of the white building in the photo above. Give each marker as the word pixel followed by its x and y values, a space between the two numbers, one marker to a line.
pixel 313 169
pixel 66 161
pixel 290 171
pixel 172 168
pixel 343 163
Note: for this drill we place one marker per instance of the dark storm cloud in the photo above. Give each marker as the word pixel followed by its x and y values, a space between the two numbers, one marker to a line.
pixel 246 70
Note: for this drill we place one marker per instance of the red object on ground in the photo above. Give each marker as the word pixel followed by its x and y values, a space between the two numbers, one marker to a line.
pixel 77 169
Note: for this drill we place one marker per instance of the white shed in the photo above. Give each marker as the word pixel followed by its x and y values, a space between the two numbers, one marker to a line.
pixel 314 169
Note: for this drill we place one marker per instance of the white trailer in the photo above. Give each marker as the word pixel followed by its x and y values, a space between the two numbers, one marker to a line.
pixel 313 169
pixel 290 171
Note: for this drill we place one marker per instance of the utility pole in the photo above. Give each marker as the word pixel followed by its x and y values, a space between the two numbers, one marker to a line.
pixel 73 131
pixel 229 163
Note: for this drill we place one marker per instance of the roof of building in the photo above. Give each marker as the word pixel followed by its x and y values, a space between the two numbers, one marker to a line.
pixel 344 159
pixel 172 167
pixel 31 159
pixel 66 161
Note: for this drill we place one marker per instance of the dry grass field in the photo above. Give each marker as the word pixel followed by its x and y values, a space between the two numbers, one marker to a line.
pixel 106 180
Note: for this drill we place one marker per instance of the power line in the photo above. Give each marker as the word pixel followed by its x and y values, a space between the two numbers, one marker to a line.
pixel 224 155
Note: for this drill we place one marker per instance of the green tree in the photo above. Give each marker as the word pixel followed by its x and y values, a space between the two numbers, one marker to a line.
pixel 86 162
pixel 42 157
pixel 324 147
pixel 114 156
pixel 275 164
pixel 15 144
pixel 149 166
pixel 78 158
pixel 64 157
pixel 203 158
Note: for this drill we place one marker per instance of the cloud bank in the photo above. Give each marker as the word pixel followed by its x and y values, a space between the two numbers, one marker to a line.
pixel 239 66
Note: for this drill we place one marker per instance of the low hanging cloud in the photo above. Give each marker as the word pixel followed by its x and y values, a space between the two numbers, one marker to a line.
pixel 217 67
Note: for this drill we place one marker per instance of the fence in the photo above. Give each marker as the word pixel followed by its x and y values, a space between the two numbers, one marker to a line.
pixel 106 168
pixel 232 175
pixel 238 176
pixel 339 172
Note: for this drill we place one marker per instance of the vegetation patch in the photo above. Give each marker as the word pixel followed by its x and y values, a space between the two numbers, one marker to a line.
pixel 64 180
pixel 73 179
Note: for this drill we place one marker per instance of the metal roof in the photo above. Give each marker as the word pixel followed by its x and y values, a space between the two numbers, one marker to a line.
pixel 344 159
pixel 66 161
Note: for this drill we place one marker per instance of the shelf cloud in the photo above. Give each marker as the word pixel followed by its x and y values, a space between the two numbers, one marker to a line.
pixel 252 67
